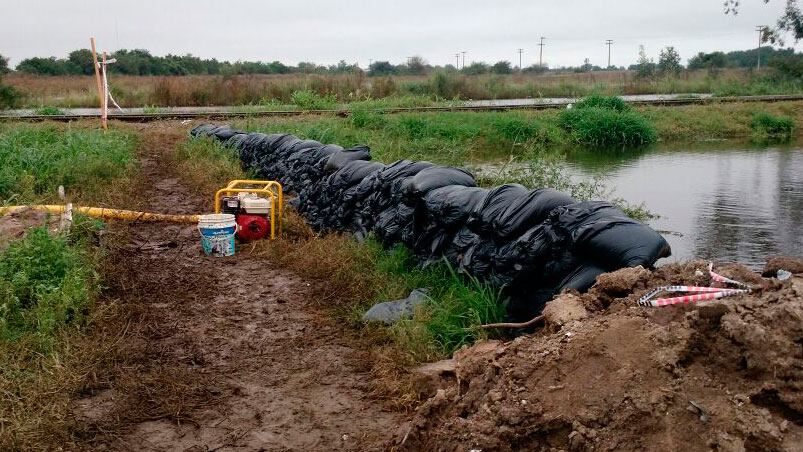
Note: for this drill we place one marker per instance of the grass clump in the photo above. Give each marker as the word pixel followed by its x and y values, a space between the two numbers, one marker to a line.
pixel 49 111
pixel 600 121
pixel 35 160
pixel 607 102
pixel 310 100
pixel 768 127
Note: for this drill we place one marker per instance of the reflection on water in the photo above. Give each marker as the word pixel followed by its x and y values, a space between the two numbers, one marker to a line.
pixel 728 203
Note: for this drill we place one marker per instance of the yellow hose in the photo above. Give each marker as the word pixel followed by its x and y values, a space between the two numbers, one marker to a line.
pixel 100 212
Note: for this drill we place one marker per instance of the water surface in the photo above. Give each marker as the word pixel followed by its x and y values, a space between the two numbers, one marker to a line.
pixel 721 201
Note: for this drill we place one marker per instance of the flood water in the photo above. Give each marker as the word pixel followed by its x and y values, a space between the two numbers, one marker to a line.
pixel 721 201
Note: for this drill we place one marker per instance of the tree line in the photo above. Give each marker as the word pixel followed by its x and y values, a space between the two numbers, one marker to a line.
pixel 141 62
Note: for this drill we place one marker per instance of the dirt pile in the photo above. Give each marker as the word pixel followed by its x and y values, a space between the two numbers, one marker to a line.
pixel 606 374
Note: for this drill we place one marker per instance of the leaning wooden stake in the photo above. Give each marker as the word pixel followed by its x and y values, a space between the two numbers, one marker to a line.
pixel 105 103
pixel 97 77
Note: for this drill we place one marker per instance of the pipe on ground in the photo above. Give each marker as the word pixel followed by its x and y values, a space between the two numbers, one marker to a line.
pixel 107 214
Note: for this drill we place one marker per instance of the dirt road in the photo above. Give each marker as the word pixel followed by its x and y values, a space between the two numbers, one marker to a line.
pixel 220 353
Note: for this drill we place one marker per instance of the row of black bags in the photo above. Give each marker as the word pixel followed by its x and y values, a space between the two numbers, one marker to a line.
pixel 533 242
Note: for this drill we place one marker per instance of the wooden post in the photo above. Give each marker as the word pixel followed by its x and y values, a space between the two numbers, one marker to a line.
pixel 97 74
pixel 105 103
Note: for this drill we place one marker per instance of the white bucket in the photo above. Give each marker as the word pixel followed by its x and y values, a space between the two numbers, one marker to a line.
pixel 217 234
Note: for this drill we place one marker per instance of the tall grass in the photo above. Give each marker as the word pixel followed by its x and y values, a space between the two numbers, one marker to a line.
pixel 206 90
pixel 768 127
pixel 604 127
pixel 600 121
pixel 36 159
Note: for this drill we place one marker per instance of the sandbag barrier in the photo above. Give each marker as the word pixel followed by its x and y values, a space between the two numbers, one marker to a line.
pixel 533 242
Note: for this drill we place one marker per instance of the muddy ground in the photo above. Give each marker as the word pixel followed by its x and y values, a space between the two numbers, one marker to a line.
pixel 219 353
pixel 233 354
pixel 606 374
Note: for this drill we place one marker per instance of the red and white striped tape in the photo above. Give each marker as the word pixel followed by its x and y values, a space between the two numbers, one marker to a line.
pixel 721 279
pixel 700 293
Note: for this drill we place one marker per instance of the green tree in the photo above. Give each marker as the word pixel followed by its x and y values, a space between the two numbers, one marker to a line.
pixel 82 59
pixel 4 65
pixel 47 66
pixel 502 67
pixel 713 60
pixel 669 61
pixel 381 68
pixel 417 66
pixel 8 95
pixel 644 66
pixel 476 68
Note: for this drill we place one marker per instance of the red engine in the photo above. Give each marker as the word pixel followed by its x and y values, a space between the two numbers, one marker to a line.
pixel 252 227
pixel 252 214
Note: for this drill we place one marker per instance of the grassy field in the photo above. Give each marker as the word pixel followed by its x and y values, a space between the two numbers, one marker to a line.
pixel 279 91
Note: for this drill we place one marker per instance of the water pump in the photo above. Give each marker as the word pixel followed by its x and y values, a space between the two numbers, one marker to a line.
pixel 257 207
pixel 252 214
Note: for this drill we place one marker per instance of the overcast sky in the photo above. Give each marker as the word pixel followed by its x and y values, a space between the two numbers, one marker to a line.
pixel 358 30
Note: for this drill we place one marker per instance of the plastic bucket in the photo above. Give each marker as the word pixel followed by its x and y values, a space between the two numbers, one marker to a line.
pixel 217 234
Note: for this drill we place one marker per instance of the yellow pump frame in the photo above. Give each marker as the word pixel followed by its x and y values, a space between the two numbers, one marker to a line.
pixel 268 188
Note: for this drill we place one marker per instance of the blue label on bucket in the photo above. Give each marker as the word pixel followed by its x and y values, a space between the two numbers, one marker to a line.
pixel 210 232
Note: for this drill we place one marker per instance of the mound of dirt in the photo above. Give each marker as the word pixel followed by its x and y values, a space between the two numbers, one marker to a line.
pixel 606 374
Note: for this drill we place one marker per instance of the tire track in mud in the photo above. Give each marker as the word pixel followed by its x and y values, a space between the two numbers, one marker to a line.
pixel 222 353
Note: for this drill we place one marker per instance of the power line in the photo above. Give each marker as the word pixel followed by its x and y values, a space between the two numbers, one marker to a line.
pixel 609 42
pixel 541 53
pixel 760 30
pixel 520 52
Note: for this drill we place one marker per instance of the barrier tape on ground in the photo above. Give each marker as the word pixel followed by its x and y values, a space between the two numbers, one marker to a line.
pixel 700 293
pixel 721 279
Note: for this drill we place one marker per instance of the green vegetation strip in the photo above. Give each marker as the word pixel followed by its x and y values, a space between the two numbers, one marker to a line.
pixel 36 159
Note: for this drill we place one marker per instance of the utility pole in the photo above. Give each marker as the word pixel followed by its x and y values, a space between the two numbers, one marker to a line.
pixel 457 60
pixel 541 53
pixel 464 58
pixel 760 30
pixel 609 42
pixel 520 52
pixel 370 62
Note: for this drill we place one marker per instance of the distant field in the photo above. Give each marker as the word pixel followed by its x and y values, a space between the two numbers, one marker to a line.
pixel 329 90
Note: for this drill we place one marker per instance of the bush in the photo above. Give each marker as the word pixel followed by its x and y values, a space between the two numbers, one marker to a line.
pixel 44 285
pixel 604 127
pixel 310 100
pixel 9 97
pixel 767 126
pixel 609 102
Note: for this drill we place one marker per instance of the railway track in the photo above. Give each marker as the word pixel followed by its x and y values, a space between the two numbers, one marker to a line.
pixel 226 114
